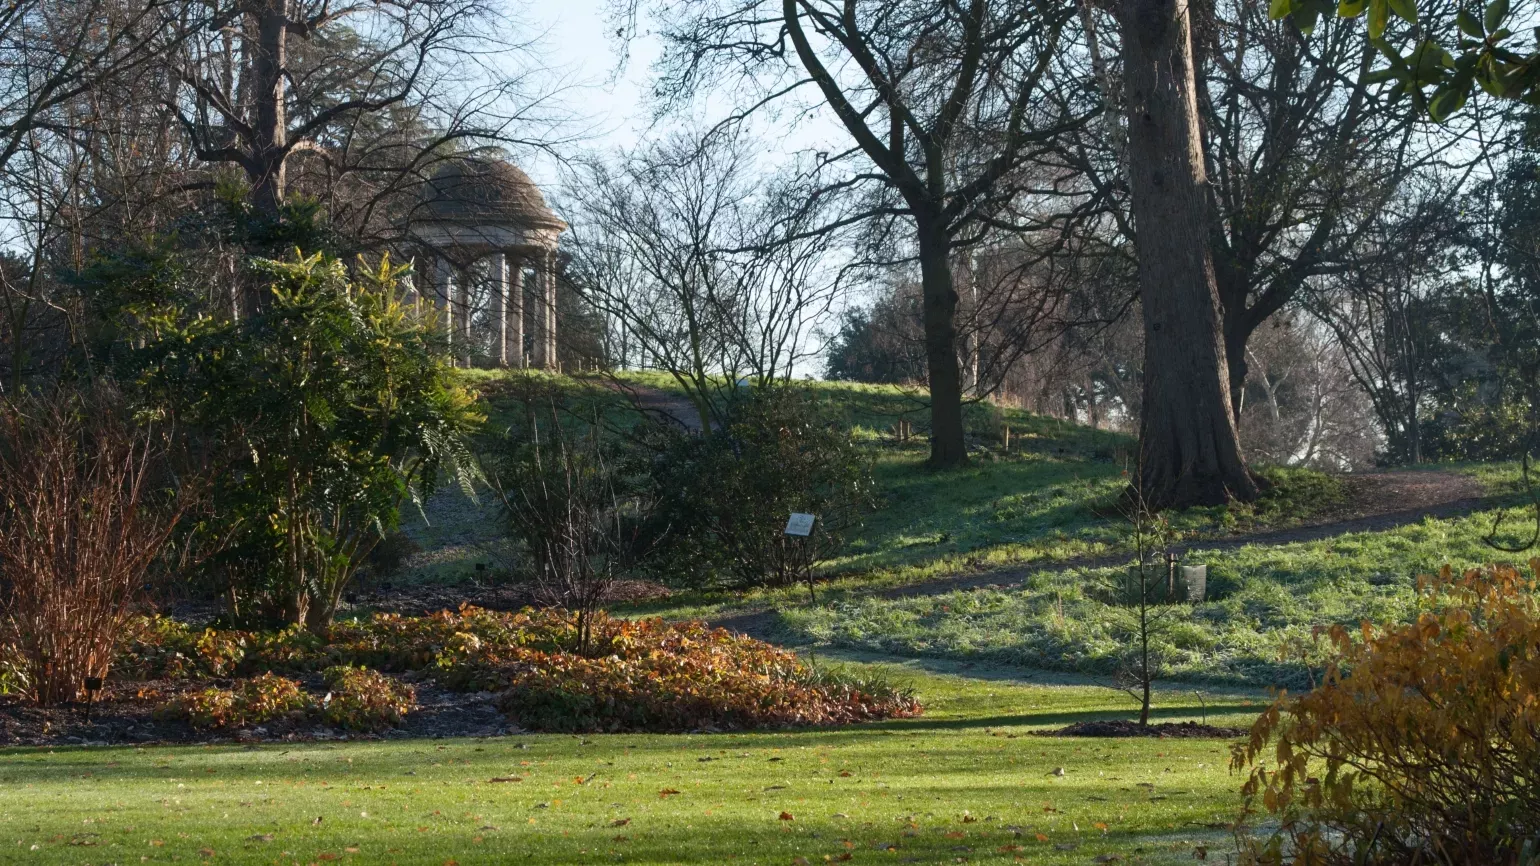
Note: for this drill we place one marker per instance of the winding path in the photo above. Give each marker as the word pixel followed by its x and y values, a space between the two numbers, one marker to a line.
pixel 1377 501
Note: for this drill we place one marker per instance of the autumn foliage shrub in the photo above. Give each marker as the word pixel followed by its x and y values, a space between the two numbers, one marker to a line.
pixel 660 676
pixel 1421 744
pixel 252 701
pixel 364 700
pixel 636 675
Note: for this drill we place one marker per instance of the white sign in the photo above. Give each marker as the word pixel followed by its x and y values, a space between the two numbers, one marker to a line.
pixel 800 524
pixel 1196 578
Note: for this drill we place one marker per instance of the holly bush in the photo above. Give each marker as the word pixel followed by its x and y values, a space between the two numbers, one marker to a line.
pixel 1422 742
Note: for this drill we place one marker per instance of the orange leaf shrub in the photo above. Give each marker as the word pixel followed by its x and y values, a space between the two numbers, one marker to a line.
pixel 659 676
pixel 1422 744
pixel 637 675
pixel 365 700
pixel 251 702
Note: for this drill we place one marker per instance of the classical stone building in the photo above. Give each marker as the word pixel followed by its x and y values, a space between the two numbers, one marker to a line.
pixel 477 212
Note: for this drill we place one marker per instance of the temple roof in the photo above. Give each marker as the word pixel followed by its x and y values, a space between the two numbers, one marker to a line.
pixel 476 191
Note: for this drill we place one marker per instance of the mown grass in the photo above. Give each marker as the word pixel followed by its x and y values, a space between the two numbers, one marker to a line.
pixel 965 783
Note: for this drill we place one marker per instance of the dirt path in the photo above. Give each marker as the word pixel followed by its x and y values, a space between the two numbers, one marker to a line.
pixel 1377 501
pixel 660 405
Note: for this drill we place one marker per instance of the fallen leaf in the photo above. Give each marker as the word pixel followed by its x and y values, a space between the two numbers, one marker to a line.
pixel 206 852
pixel 620 822
pixel 351 849
pixel 1042 838
pixel 1108 858
pixel 845 774
pixel 957 834
pixel 786 816
pixel 506 779
pixel 799 861
pixel 261 837
pixel 667 792
pixel 327 855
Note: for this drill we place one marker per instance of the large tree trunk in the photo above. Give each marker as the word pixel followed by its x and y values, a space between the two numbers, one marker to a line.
pixel 270 127
pixel 1189 450
pixel 947 448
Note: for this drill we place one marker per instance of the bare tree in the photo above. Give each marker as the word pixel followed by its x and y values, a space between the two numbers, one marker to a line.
pixel 1384 312
pixel 1301 405
pixel 354 104
pixel 702 267
pixel 944 106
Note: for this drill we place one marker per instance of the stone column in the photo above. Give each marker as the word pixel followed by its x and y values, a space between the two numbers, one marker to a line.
pixel 548 270
pixel 497 266
pixel 442 297
pixel 463 310
pixel 514 321
pixel 542 318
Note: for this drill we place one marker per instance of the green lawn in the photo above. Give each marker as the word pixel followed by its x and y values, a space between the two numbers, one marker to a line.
pixel 965 783
pixel 1261 596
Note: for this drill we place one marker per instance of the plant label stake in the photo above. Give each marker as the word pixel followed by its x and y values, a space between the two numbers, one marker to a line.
pixel 93 685
pixel 799 527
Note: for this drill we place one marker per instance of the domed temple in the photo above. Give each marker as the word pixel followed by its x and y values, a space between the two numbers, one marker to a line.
pixel 487 213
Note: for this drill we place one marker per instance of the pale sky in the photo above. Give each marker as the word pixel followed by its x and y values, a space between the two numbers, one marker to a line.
pixel 574 36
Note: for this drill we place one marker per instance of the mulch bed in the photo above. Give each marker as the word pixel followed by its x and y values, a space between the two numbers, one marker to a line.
pixel 425 598
pixel 1163 730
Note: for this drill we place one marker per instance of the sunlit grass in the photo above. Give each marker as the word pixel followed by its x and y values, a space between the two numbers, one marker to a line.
pixel 966 781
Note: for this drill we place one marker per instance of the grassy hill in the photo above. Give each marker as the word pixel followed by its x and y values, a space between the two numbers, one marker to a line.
pixel 979 589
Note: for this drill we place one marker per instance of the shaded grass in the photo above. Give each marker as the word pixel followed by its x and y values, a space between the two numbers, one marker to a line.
pixel 966 781
pixel 1052 496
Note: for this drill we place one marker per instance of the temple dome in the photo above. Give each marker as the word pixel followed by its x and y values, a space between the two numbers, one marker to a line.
pixel 477 191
